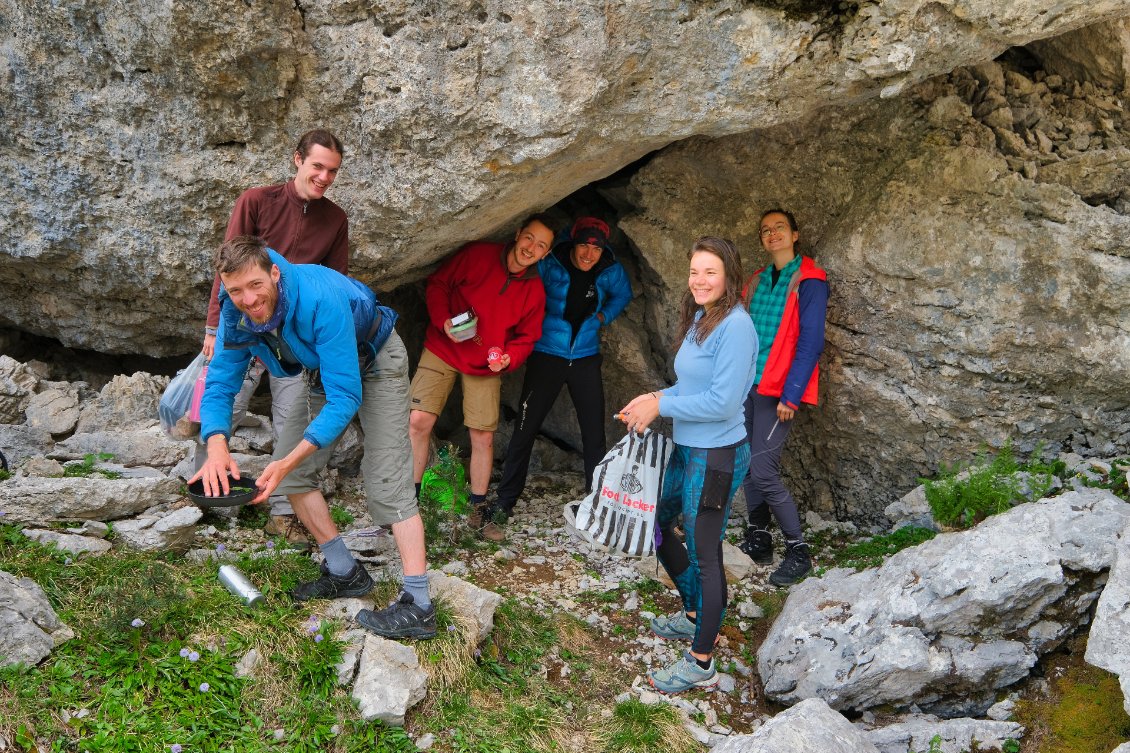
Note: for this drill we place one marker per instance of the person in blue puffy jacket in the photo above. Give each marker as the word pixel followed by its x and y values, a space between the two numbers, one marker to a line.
pixel 306 319
pixel 585 289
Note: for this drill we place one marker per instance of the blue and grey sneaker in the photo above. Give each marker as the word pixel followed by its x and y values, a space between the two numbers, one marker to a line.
pixel 673 627
pixel 684 674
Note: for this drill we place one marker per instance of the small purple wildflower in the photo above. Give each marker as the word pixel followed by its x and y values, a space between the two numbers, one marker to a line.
pixel 478 654
pixel 68 561
pixel 137 622
pixel 319 638
pixel 204 687
pixel 451 628
pixel 221 548
pixel 312 626
pixel 184 653
pixel 175 748
pixel 270 545
pixel 193 656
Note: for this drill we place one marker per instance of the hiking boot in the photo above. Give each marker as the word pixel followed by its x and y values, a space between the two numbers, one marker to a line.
pixel 494 518
pixel 478 516
pixel 290 528
pixel 357 582
pixel 684 674
pixel 401 619
pixel 795 566
pixel 758 544
pixel 673 627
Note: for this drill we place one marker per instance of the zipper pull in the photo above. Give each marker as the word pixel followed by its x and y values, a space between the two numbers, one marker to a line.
pixel 305 206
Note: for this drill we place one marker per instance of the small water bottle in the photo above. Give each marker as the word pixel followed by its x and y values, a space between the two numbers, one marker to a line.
pixel 240 586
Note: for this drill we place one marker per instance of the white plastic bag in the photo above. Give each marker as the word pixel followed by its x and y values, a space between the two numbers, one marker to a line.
pixel 177 400
pixel 619 513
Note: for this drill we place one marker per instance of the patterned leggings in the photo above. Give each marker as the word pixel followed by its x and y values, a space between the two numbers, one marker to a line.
pixel 699 485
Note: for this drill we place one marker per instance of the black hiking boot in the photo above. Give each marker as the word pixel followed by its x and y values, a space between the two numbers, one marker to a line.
pixel 357 582
pixel 758 544
pixel 795 566
pixel 401 619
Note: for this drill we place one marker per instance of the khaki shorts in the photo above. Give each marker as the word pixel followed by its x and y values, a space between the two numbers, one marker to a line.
pixel 390 495
pixel 433 383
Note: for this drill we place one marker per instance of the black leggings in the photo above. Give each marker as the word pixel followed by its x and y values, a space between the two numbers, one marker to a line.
pixel 545 376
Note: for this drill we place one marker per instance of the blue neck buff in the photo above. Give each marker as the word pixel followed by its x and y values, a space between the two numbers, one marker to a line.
pixel 276 318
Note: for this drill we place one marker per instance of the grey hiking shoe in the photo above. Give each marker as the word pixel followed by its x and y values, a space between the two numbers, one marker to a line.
pixel 758 544
pixel 684 674
pixel 795 566
pixel 357 582
pixel 676 626
pixel 401 619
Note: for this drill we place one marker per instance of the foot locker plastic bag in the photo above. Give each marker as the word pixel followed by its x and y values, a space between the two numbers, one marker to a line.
pixel 619 513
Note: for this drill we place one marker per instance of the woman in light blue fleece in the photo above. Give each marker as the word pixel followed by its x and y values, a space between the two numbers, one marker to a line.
pixel 714 366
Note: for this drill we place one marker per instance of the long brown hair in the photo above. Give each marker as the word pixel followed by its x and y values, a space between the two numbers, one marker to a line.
pixel 731 296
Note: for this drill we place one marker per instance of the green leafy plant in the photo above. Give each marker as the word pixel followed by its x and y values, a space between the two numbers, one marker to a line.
pixel 988 487
pixel 86 466
pixel 5 475
pixel 872 552
pixel 340 516
pixel 935 745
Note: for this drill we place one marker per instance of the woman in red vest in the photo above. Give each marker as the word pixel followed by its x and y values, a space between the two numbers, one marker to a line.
pixel 787 300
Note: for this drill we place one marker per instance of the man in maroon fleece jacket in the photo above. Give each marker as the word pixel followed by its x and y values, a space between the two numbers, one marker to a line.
pixel 498 285
pixel 297 221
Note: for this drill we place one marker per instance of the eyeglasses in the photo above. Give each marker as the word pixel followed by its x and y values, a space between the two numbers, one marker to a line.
pixel 780 227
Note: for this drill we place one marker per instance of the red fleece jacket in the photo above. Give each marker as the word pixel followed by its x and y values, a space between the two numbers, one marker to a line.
pixel 509 307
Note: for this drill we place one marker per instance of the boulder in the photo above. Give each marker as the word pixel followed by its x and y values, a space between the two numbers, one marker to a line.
pixel 947 623
pixel 29 627
pixel 124 403
pixel 811 726
pixel 389 681
pixel 1108 645
pixel 171 531
pixel 21 443
pixel 915 733
pixel 467 600
pixel 54 411
pixel 68 542
pixel 150 447
pixel 17 384
pixel 31 500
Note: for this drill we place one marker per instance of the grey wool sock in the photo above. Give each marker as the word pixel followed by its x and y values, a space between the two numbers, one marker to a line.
pixel 417 585
pixel 339 560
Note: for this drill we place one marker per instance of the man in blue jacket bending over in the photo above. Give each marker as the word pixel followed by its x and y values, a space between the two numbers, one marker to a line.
pixel 305 318
pixel 585 289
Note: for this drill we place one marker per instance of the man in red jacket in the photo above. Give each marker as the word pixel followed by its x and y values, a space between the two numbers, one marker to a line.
pixel 497 286
pixel 297 221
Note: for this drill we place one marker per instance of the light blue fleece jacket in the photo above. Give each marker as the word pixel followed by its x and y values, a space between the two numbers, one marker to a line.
pixel 713 379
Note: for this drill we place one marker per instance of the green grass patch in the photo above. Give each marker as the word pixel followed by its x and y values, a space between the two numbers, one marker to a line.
pixel 5 475
pixel 962 498
pixel 153 660
pixel 872 552
pixel 638 728
pixel 542 682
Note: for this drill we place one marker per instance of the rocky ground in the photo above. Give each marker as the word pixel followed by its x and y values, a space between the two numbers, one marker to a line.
pixel 542 564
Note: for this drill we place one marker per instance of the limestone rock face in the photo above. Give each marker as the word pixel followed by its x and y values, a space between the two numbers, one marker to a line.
pixel 31 500
pixel 945 624
pixel 1108 645
pixel 977 272
pixel 457 119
